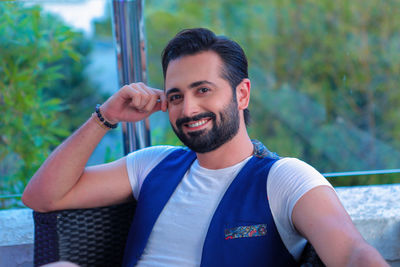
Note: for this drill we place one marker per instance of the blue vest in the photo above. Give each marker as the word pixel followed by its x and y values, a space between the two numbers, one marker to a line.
pixel 242 231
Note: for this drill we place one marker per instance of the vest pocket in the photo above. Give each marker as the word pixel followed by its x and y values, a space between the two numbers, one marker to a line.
pixel 245 231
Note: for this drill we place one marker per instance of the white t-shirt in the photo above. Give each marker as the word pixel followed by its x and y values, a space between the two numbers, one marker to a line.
pixel 178 235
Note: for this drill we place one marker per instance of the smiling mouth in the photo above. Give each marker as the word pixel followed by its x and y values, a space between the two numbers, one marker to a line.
pixel 196 124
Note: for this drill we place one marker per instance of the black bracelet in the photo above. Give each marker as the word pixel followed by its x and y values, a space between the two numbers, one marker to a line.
pixel 106 123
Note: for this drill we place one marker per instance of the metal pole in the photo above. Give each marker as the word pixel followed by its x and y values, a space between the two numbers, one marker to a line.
pixel 128 28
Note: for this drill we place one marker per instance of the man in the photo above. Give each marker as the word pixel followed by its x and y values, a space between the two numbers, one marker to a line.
pixel 224 201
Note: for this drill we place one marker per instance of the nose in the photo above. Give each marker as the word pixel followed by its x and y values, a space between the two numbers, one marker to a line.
pixel 190 107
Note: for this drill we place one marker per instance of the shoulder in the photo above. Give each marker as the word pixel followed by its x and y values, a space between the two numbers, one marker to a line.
pixel 152 153
pixel 139 164
pixel 288 180
pixel 288 171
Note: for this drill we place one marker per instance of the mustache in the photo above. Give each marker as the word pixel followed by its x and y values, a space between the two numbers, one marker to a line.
pixel 197 117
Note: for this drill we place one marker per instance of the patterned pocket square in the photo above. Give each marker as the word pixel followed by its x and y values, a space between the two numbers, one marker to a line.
pixel 246 231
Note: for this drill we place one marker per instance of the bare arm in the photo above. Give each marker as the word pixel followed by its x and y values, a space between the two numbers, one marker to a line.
pixel 320 217
pixel 63 182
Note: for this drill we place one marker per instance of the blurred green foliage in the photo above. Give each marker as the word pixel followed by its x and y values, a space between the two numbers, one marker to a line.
pixel 371 179
pixel 324 74
pixel 44 94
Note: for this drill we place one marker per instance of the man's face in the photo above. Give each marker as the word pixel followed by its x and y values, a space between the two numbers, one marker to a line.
pixel 202 110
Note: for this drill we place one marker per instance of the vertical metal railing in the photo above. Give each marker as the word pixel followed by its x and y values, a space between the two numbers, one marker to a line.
pixel 128 29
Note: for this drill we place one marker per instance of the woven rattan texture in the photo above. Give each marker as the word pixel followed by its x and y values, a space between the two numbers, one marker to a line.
pixel 88 237
pixel 310 258
pixel 46 239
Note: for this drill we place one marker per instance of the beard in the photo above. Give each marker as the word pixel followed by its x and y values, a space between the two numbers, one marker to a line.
pixel 204 141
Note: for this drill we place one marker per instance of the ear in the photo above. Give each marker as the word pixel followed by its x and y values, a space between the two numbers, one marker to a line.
pixel 243 94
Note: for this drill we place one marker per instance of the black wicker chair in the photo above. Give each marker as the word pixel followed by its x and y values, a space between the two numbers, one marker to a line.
pixel 96 237
pixel 88 237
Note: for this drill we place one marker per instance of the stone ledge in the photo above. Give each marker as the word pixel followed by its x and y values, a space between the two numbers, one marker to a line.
pixel 16 238
pixel 375 211
pixel 16 227
pixel 16 255
pixel 373 201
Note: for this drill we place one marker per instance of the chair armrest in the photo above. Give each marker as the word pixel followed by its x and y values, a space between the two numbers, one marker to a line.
pixel 88 237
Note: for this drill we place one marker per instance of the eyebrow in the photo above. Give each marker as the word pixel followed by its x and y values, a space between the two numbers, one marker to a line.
pixel 192 85
pixel 195 84
pixel 172 90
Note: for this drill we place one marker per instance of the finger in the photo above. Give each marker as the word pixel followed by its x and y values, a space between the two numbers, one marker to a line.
pixel 145 96
pixel 151 88
pixel 152 104
pixel 163 100
pixel 136 96
pixel 158 96
pixel 128 93
pixel 142 97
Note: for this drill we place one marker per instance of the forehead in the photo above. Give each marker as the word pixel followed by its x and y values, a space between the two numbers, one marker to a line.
pixel 191 68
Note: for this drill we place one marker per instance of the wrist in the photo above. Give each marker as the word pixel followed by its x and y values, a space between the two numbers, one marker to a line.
pixel 104 121
pixel 106 116
pixel 99 123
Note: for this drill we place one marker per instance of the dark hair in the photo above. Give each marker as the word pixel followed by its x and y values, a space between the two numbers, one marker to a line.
pixel 193 41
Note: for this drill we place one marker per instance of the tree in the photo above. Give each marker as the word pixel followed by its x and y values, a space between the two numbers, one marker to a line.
pixel 324 74
pixel 40 58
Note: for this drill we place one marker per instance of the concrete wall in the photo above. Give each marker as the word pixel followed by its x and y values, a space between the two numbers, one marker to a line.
pixel 375 211
pixel 16 238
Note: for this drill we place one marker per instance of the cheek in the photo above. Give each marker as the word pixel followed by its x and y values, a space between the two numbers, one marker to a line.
pixel 172 115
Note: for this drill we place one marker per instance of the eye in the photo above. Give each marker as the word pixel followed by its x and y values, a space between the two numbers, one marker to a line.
pixel 203 90
pixel 174 98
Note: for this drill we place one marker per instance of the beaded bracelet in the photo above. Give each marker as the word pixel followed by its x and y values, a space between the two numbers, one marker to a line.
pixel 106 123
pixel 97 120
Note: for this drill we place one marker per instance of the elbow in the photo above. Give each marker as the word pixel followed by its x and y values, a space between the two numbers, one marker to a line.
pixel 26 199
pixel 34 202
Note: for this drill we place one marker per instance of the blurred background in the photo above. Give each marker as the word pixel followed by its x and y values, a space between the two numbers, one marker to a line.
pixel 325 77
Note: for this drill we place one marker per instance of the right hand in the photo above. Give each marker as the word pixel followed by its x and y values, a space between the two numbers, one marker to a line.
pixel 133 103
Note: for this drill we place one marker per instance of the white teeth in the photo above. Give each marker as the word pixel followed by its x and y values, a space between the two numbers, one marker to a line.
pixel 196 124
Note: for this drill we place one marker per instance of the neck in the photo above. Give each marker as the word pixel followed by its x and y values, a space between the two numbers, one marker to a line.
pixel 232 152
